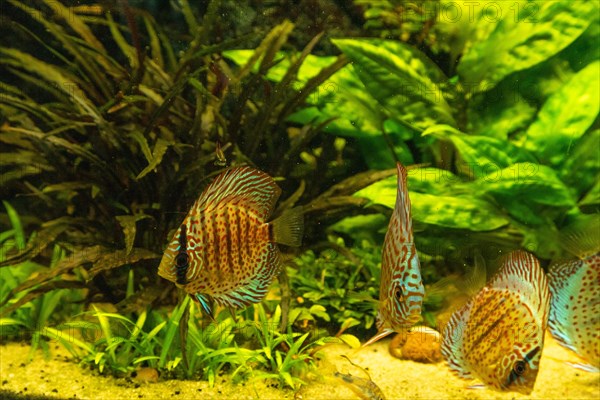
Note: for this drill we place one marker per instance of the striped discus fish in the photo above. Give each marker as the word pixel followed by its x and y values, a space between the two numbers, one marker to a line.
pixel 575 308
pixel 498 336
pixel 401 291
pixel 225 250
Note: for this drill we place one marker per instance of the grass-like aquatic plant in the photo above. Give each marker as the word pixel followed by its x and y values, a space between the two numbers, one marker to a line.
pixel 112 140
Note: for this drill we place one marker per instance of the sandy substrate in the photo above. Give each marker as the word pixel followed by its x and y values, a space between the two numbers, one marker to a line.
pixel 60 378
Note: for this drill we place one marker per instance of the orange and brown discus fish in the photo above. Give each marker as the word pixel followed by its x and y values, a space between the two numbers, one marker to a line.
pixel 575 309
pixel 401 289
pixel 225 250
pixel 498 336
pixel 575 286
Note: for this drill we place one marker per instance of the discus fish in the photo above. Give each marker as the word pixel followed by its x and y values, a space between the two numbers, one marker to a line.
pixel 575 309
pixel 574 319
pixel 224 250
pixel 498 336
pixel 401 291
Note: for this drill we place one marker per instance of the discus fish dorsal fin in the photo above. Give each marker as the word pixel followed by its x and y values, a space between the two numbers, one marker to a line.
pixel 244 186
pixel 521 273
pixel 402 208
pixel 288 229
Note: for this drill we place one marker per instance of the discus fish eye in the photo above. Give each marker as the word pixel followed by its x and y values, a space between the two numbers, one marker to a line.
pixel 519 367
pixel 181 260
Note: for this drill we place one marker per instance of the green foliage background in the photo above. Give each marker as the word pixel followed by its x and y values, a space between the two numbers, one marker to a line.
pixel 110 122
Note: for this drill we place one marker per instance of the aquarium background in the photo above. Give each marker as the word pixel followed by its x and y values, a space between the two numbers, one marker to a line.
pixel 115 115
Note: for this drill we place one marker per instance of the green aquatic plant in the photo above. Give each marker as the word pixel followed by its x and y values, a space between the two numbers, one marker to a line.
pixel 107 142
pixel 337 287
pixel 32 311
pixel 510 163
pixel 111 140
pixel 248 349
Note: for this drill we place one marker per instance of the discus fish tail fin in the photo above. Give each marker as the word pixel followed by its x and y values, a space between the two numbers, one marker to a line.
pixel 288 229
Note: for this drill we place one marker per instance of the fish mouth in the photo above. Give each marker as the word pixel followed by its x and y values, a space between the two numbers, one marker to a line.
pixel 414 318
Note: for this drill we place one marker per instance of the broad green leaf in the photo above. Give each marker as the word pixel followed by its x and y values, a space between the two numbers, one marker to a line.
pixel 565 116
pixel 578 54
pixel 362 227
pixel 464 212
pixel 498 113
pixel 380 152
pixel 432 181
pixel 480 155
pixel 526 190
pixel 592 198
pixel 532 33
pixel 11 322
pixel 356 114
pixel 350 340
pixel 382 192
pixel 345 98
pixel 320 311
pixel 401 79
pixel 582 166
pixel 460 212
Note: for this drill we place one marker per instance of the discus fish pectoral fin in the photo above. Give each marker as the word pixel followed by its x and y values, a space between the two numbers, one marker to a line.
pixel 477 386
pixel 204 303
pixel 584 367
pixel 380 335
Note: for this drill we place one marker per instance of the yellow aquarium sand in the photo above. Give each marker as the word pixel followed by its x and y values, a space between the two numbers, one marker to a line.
pixel 60 377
